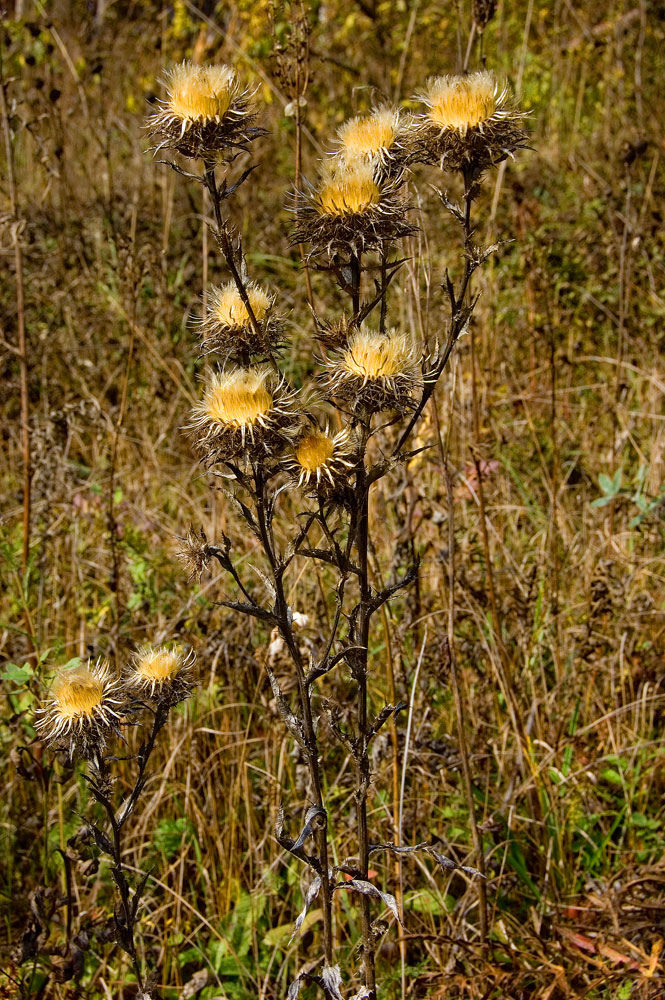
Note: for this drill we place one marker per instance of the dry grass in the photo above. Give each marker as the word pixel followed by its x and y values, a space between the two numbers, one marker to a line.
pixel 565 747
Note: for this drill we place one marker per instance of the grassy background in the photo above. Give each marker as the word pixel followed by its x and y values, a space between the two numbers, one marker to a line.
pixel 569 341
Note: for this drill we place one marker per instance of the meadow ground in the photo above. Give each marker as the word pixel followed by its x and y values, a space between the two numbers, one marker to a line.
pixel 560 601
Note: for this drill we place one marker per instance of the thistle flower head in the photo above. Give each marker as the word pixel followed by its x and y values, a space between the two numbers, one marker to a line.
pixel 376 370
pixel 200 93
pixel 322 459
pixel 82 708
pixel 462 102
pixel 350 210
pixel 205 110
pixel 350 190
pixel 243 411
pixel 468 123
pixel 227 325
pixel 162 673
pixel 380 138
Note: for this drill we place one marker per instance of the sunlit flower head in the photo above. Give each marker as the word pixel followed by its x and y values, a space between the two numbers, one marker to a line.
pixel 321 459
pixel 350 209
pixel 195 553
pixel 84 705
pixel 462 102
pixel 227 326
pixel 205 110
pixel 376 370
pixel 468 122
pixel 243 411
pixel 349 190
pixel 379 138
pixel 162 673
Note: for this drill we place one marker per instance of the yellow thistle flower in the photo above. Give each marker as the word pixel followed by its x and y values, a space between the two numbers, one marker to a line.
pixel 200 93
pixel 462 102
pixel 227 326
pixel 205 110
pixel 351 190
pixel 367 136
pixel 82 707
pixel 242 409
pixel 321 457
pixel 376 370
pixel 468 123
pixel 228 309
pixel 351 210
pixel 161 672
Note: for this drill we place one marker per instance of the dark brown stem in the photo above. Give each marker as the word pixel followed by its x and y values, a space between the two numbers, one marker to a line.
pixel 226 247
pixel 281 612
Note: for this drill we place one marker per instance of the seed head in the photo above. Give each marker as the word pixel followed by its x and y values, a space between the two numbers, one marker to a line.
pixel 376 370
pixel 350 210
pixel 243 412
pixel 205 110
pixel 82 709
pixel 195 553
pixel 161 674
pixel 321 460
pixel 227 326
pixel 468 123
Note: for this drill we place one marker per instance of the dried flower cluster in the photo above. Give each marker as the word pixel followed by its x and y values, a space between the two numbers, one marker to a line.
pixel 269 436
pixel 87 705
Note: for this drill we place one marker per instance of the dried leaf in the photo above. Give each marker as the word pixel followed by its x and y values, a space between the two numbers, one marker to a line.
pixel 310 896
pixel 367 889
pixel 331 980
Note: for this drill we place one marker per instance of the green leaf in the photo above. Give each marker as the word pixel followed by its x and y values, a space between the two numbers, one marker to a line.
pixel 601 501
pixel 17 675
pixel 609 774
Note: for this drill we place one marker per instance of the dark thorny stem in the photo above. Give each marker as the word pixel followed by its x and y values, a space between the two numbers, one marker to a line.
pixel 282 614
pixel 113 846
pixel 362 757
pixel 226 246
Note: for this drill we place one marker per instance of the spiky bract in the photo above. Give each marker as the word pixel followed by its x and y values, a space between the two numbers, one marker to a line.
pixel 350 211
pixel 84 706
pixel 244 413
pixel 469 123
pixel 195 553
pixel 205 111
pixel 321 460
pixel 380 138
pixel 227 326
pixel 161 674
pixel 376 371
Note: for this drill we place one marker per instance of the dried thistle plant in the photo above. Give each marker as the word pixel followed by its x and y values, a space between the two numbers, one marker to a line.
pixel 261 434
pixel 84 716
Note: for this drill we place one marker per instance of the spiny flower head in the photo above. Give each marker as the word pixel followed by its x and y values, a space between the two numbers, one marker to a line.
pixel 243 411
pixel 227 325
pixel 228 308
pixel 349 190
pixel 200 93
pixel 82 707
pixel 462 102
pixel 205 110
pixel 350 210
pixel 322 459
pixel 469 123
pixel 376 370
pixel 378 138
pixel 162 673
